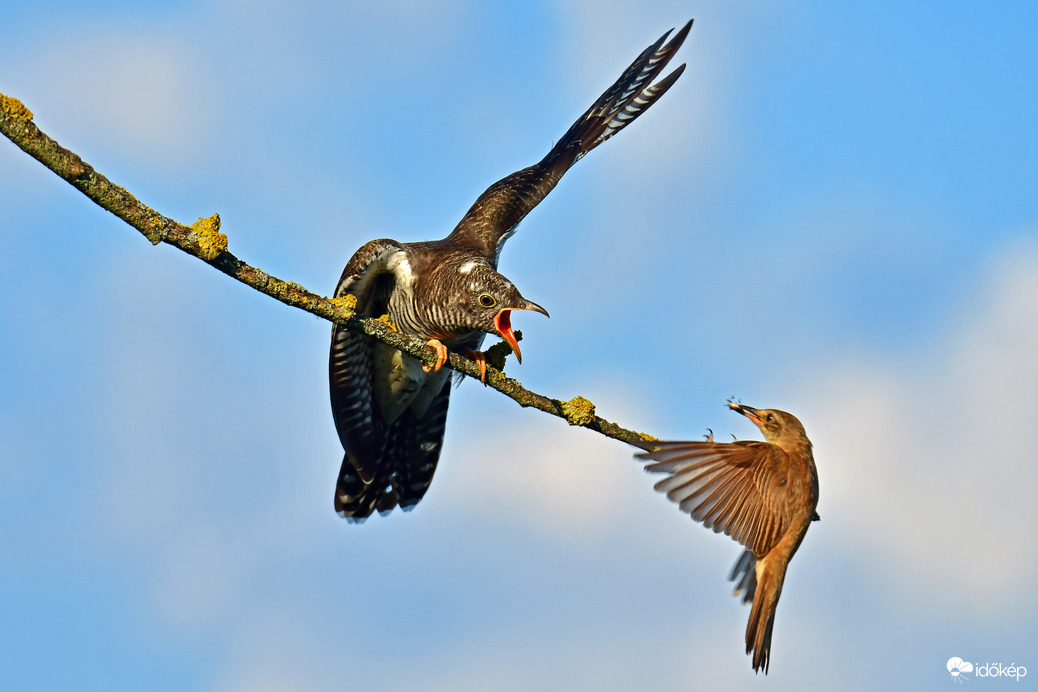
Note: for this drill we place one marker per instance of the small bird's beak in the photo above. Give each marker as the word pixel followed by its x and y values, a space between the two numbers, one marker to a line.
pixel 747 411
pixel 503 324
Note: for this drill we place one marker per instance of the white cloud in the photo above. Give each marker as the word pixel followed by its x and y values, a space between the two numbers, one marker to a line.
pixel 127 89
pixel 928 467
pixel 570 484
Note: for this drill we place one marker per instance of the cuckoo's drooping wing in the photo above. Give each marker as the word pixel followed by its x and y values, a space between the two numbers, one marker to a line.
pixel 497 212
pixel 386 462
pixel 351 369
pixel 735 488
pixel 404 471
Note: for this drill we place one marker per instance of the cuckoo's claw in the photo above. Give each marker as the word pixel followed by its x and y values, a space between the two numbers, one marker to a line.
pixel 441 356
pixel 481 362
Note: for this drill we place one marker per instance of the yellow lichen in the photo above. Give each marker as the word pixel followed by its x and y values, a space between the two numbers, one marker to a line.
pixel 648 438
pixel 210 240
pixel 345 305
pixel 388 322
pixel 578 411
pixel 289 292
pixel 276 287
pixel 14 108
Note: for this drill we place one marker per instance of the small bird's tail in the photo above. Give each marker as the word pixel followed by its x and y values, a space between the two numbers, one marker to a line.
pixel 764 586
pixel 744 574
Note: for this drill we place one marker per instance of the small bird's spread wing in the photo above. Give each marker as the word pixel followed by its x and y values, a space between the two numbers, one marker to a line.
pixel 497 212
pixel 736 488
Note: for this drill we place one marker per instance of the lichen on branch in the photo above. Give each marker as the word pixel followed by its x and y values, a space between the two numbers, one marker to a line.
pixel 210 241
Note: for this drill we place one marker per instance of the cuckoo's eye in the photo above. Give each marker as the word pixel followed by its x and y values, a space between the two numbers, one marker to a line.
pixel 487 300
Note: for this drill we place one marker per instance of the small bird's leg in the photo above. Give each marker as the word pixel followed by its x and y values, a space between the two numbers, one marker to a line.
pixel 481 362
pixel 441 356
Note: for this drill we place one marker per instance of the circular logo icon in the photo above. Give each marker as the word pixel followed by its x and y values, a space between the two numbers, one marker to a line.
pixel 956 666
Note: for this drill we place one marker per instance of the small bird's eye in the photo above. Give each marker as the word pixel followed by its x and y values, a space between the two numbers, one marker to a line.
pixel 487 300
pixel 770 418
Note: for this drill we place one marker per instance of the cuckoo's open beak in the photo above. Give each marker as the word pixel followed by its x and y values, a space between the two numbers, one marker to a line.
pixel 503 324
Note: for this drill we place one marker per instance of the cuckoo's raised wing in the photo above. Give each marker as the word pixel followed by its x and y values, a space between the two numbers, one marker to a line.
pixel 495 215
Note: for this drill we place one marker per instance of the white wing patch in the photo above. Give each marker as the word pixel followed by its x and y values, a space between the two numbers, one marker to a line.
pixel 391 260
pixel 398 264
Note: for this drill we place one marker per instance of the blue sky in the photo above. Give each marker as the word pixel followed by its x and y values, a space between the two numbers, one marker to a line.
pixel 832 212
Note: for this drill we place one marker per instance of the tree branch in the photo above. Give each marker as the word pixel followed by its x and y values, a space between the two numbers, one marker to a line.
pixel 204 240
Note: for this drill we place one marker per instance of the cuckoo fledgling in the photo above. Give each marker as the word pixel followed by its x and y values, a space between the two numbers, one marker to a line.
pixel 762 494
pixel 389 410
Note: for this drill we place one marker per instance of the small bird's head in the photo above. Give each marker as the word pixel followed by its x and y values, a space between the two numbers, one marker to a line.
pixel 488 299
pixel 779 428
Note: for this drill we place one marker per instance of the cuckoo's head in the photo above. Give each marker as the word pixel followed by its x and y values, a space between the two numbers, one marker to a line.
pixel 486 299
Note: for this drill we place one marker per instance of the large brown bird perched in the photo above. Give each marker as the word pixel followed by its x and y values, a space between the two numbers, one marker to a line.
pixel 762 494
pixel 389 410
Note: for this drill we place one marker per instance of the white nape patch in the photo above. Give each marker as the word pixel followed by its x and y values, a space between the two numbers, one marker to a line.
pixel 467 267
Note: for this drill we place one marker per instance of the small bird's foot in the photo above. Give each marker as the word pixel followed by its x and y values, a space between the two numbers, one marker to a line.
pixel 441 356
pixel 481 362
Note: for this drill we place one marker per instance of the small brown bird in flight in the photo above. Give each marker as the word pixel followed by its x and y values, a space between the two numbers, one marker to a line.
pixel 762 494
